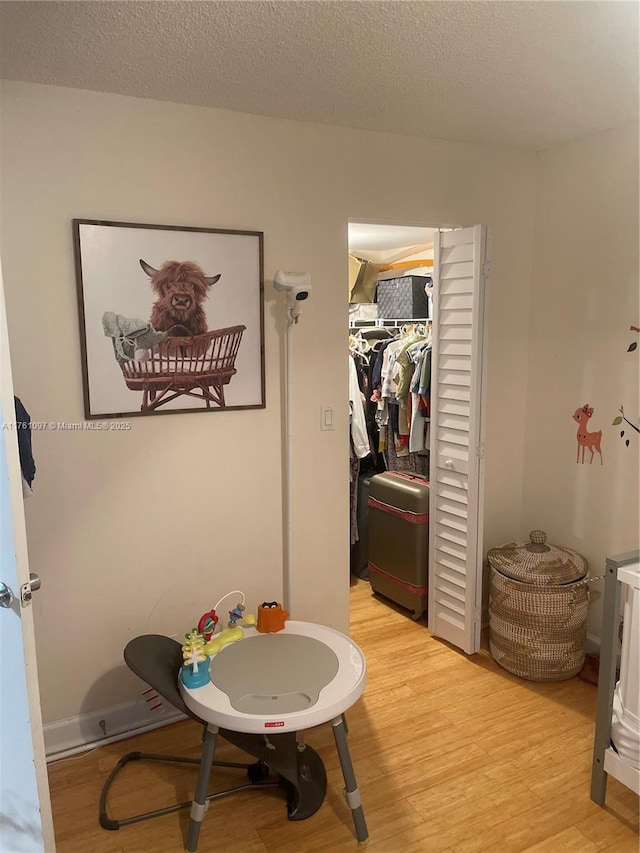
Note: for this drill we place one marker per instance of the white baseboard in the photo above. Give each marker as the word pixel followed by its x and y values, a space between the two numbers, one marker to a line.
pixel 87 731
pixel 593 643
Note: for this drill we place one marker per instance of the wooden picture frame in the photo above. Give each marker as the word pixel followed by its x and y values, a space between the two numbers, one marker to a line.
pixel 171 318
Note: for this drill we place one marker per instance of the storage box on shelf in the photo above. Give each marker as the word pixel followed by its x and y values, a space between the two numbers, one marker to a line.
pixel 403 297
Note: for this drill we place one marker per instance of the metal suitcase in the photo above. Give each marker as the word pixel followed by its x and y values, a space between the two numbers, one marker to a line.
pixel 399 538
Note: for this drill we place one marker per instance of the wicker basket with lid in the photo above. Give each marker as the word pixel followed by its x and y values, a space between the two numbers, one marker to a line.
pixel 538 609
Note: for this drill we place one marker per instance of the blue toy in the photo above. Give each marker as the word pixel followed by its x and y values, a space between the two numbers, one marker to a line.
pixel 195 669
pixel 235 614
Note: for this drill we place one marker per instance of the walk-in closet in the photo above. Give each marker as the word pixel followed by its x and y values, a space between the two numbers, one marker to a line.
pixel 390 282
pixel 416 349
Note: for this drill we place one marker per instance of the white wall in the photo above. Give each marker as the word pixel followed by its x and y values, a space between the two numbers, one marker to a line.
pixel 143 531
pixel 584 299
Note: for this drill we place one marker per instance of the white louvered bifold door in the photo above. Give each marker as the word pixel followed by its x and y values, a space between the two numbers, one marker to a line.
pixel 461 277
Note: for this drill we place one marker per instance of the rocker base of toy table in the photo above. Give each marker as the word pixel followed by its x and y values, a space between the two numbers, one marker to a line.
pixel 300 772
pixel 299 765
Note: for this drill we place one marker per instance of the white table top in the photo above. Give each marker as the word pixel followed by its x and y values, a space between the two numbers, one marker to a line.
pixel 214 705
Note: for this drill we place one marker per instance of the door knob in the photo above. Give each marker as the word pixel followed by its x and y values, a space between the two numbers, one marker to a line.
pixel 448 463
pixel 6 596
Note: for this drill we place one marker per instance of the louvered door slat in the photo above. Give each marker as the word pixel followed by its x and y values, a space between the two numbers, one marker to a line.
pixel 448 619
pixel 454 576
pixel 462 270
pixel 454 238
pixel 454 333
pixel 455 317
pixel 453 392
pixel 453 522
pixel 455 254
pixel 453 377
pixel 456 285
pixel 456 301
pixel 453 508
pixel 459 552
pixel 452 407
pixel 455 348
pixel 451 494
pixel 455 362
pixel 449 478
pixel 454 436
pixel 454 536
pixel 453 570
pixel 452 421
pixel 452 600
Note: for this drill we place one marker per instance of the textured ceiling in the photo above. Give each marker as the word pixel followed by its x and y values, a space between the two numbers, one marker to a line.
pixel 520 73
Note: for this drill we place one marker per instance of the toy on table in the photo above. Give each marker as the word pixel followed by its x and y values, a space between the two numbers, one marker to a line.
pixel 227 635
pixel 236 614
pixel 202 642
pixel 271 617
pixel 207 624
pixel 233 631
pixel 195 669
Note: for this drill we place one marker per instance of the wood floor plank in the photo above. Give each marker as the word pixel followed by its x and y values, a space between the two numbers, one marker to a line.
pixel 533 826
pixel 627 845
pixel 569 840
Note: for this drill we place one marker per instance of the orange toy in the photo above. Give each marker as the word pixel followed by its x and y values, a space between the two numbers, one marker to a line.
pixel 271 617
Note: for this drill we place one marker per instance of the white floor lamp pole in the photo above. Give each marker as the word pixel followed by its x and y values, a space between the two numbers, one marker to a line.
pixel 298 288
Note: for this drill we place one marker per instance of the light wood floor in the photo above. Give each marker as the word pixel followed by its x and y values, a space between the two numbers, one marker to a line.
pixel 451 754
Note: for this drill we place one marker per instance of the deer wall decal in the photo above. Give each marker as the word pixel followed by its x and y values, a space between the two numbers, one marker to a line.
pixel 586 439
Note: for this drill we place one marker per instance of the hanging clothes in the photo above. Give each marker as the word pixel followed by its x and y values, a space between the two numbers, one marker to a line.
pixel 366 344
pixel 402 412
pixel 27 463
pixel 359 440
pixel 359 435
pixel 420 401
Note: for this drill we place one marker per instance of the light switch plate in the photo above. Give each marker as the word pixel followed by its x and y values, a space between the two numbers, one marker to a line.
pixel 326 419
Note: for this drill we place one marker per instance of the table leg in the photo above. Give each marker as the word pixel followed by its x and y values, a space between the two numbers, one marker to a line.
pixel 351 786
pixel 199 804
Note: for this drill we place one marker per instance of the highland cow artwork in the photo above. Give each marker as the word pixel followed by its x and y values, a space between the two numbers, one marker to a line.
pixel 171 319
pixel 181 289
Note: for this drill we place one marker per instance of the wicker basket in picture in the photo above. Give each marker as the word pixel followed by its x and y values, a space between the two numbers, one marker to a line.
pixel 538 609
pixel 198 366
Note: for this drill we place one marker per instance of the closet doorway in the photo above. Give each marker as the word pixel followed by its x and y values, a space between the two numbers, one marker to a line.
pixel 442 275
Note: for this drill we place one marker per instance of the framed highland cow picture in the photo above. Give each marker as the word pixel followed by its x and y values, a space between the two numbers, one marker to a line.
pixel 171 318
